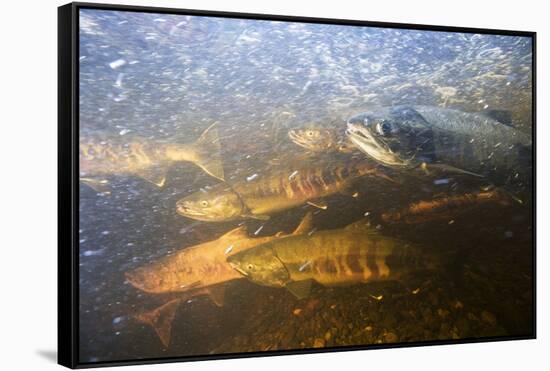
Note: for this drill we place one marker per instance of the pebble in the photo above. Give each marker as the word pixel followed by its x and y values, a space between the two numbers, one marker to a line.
pixel 319 343
pixel 402 316
pixel 390 337
pixel 489 318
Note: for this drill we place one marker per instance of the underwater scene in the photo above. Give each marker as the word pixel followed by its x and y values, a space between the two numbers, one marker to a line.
pixel 252 185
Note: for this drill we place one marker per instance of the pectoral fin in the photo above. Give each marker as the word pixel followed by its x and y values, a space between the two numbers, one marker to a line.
pixel 447 168
pixel 237 233
pixel 305 226
pixel 217 295
pixel 155 175
pixel 161 319
pixel 256 216
pixel 300 289
pixel 98 185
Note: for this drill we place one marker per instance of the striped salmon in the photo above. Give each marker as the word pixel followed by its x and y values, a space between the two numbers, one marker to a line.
pixel 264 195
pixel 354 254
pixel 101 158
pixel 195 271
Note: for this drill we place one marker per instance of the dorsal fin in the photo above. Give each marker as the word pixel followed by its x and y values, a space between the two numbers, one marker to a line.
pixel 239 232
pixel 362 225
pixel 208 152
pixel 306 225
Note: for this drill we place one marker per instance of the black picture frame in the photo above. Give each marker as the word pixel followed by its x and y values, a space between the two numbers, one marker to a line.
pixel 68 184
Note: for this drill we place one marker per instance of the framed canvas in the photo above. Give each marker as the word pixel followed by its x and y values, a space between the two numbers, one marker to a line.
pixel 235 185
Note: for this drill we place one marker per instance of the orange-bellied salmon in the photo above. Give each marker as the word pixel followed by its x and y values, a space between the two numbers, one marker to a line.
pixel 195 271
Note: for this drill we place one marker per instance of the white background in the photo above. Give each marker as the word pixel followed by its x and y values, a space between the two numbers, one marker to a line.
pixel 28 152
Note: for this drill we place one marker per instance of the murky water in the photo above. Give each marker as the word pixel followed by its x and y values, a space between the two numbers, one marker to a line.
pixel 158 80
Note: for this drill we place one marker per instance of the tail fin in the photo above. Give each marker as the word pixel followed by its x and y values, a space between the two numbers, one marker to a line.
pixel 208 151
pixel 160 319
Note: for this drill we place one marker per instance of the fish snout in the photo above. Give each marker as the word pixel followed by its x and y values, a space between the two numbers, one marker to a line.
pixel 233 263
pixel 183 207
pixel 354 126
pixel 295 137
pixel 358 132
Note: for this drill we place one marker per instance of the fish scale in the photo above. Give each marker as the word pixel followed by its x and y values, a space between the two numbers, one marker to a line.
pixel 335 260
pixel 355 254
pixel 309 183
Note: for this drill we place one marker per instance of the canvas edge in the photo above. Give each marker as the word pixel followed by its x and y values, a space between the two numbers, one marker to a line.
pixel 67 280
pixel 68 198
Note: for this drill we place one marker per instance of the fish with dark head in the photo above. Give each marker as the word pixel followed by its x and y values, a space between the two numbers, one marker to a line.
pixel 438 138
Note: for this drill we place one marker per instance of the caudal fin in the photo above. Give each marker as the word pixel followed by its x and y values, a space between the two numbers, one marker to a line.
pixel 208 151
pixel 160 319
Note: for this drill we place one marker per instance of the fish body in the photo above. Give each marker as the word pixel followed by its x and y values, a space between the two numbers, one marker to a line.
pixel 444 207
pixel 195 271
pixel 261 196
pixel 355 254
pixel 433 137
pixel 104 157
pixel 195 267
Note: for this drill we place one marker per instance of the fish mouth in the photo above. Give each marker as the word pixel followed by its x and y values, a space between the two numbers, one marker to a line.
pixel 371 146
pixel 184 209
pixel 236 266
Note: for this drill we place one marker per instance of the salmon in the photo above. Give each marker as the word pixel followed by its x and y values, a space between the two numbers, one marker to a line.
pixel 101 158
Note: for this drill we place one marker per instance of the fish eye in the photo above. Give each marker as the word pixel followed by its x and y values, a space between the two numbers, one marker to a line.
pixel 383 128
pixel 250 267
pixel 204 203
pixel 310 133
